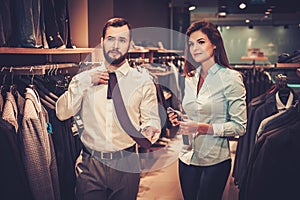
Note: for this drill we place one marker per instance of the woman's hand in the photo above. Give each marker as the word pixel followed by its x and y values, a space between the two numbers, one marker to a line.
pixel 100 77
pixel 174 116
pixel 188 126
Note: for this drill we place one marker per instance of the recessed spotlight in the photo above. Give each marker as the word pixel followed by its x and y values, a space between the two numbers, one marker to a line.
pixel 222 14
pixel 247 21
pixel 192 7
pixel 242 6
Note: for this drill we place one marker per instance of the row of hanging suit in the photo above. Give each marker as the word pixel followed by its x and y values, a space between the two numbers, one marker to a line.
pixel 167 73
pixel 267 161
pixel 38 152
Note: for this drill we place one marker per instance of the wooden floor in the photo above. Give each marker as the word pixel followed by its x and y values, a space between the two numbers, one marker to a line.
pixel 160 178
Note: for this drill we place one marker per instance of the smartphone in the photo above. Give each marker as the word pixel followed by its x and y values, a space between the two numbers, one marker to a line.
pixel 171 110
pixel 185 138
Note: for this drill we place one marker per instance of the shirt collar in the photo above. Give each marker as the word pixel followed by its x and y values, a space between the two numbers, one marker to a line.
pixel 212 70
pixel 123 69
pixel 280 105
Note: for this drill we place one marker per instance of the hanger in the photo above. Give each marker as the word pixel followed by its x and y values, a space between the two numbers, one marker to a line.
pixel 31 84
pixel 40 85
pixel 13 86
pixel 281 81
pixel 282 88
pixel 3 87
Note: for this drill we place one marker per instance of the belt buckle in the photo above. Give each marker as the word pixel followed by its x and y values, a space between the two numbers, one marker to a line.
pixel 102 155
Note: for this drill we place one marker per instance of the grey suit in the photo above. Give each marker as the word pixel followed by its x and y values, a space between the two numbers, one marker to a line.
pixel 38 151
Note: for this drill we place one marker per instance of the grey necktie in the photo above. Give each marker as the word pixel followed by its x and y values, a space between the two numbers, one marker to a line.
pixel 115 94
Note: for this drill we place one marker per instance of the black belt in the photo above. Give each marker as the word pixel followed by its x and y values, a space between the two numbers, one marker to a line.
pixel 110 155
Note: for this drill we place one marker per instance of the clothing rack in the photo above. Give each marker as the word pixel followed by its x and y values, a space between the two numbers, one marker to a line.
pixel 49 69
pixel 168 58
pixel 250 66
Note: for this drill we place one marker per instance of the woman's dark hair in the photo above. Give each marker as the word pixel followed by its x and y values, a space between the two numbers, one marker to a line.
pixel 215 38
pixel 116 22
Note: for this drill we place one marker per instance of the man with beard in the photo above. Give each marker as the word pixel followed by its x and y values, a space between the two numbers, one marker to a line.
pixel 108 167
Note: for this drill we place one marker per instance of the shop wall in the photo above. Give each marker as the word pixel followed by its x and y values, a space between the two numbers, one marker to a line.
pixel 79 22
pixel 272 41
pixel 145 13
pixel 87 18
pixel 139 13
pixel 98 13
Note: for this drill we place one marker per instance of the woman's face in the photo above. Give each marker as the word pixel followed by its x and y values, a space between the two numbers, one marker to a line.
pixel 200 47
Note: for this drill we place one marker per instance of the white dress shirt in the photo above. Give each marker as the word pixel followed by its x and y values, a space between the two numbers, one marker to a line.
pixel 102 131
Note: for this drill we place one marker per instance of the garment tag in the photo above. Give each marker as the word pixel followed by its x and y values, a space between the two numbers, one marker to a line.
pixel 77 126
pixel 49 128
pixel 74 129
pixel 185 139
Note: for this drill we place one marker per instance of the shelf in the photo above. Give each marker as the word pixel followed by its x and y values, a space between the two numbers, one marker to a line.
pixel 138 50
pixel 35 56
pixel 169 51
pixel 255 58
pixel 155 50
pixel 288 65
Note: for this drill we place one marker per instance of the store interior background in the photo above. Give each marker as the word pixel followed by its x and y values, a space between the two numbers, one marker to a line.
pixel 274 33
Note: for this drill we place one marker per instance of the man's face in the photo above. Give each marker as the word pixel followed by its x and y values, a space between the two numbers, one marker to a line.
pixel 116 44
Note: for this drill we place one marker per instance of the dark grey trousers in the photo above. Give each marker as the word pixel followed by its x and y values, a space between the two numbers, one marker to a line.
pixel 107 179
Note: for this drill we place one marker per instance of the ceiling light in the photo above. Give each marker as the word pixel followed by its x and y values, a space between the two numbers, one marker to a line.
pixel 192 7
pixel 247 21
pixel 222 14
pixel 242 6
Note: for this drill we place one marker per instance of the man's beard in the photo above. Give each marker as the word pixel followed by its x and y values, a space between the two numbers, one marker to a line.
pixel 114 61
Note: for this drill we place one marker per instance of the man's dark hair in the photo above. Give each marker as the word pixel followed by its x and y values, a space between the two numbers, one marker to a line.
pixel 116 22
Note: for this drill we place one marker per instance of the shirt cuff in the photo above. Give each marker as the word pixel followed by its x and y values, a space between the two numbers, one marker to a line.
pixel 151 133
pixel 84 80
pixel 218 129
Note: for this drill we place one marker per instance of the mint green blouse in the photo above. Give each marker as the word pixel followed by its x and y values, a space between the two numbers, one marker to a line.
pixel 221 102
